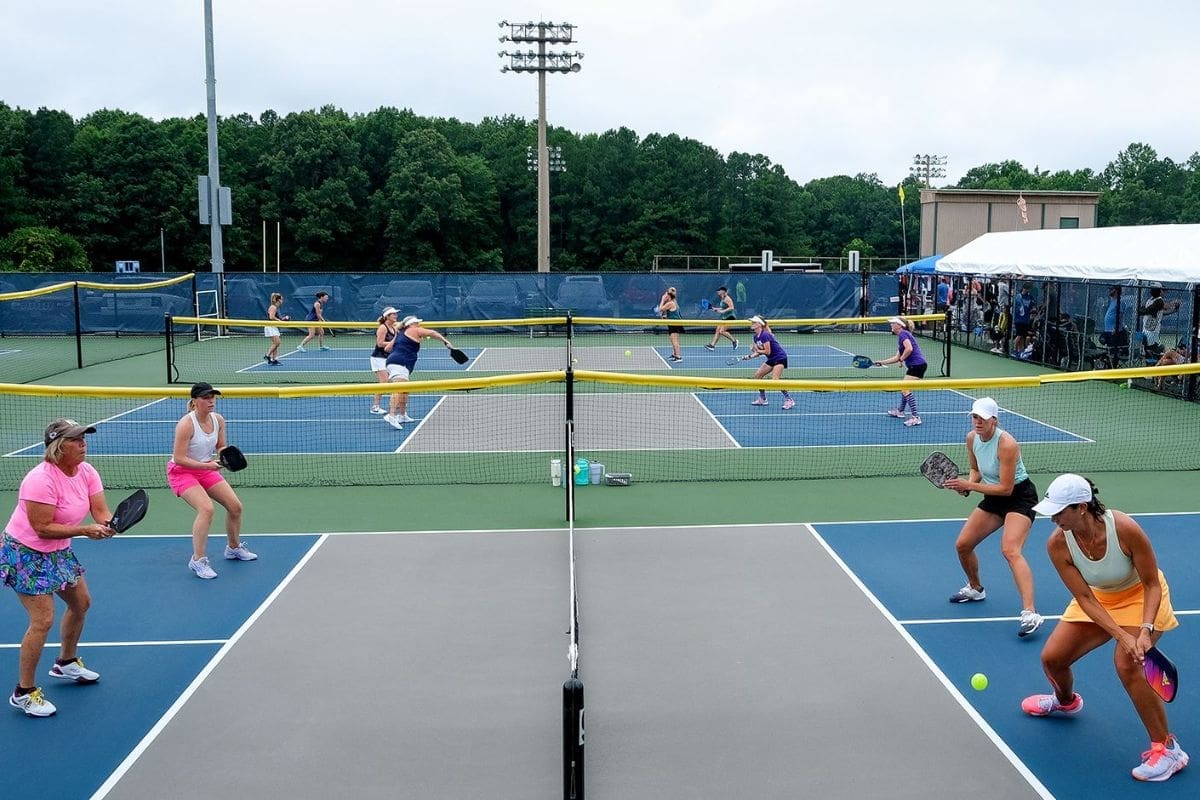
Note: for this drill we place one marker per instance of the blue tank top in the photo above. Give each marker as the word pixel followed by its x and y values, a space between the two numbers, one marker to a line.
pixel 987 456
pixel 379 352
pixel 404 352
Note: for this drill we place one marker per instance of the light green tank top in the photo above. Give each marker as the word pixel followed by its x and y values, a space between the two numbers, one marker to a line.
pixel 987 456
pixel 1114 571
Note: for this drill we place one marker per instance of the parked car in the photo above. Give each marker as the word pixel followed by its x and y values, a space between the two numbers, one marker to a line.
pixel 584 296
pixel 409 297
pixel 492 298
pixel 133 312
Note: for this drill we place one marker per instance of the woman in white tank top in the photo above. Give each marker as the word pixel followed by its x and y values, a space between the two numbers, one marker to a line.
pixel 1118 592
pixel 194 474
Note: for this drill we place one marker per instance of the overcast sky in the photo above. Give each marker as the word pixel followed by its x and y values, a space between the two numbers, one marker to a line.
pixel 821 88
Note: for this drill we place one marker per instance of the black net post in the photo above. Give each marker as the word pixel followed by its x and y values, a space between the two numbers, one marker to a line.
pixel 78 328
pixel 573 739
pixel 169 341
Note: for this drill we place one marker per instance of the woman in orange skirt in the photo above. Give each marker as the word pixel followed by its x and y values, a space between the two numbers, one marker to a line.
pixel 1118 592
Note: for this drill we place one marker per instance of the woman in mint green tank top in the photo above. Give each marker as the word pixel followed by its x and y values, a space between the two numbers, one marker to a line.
pixel 1117 592
pixel 998 474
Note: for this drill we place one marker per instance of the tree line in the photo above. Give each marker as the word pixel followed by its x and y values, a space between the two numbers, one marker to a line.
pixel 391 190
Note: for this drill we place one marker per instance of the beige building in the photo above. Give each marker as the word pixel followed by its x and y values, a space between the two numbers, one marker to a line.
pixel 952 217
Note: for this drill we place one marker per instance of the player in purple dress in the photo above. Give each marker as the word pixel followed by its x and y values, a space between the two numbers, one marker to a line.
pixel 765 344
pixel 908 354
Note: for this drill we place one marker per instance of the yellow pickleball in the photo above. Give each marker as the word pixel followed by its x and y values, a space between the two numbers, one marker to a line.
pixel 628 353
pixel 979 681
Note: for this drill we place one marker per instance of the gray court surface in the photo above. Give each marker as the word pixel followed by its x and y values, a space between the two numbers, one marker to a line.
pixel 465 423
pixel 718 663
pixel 597 357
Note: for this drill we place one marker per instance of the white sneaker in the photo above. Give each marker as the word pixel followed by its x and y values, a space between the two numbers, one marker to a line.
pixel 789 403
pixel 911 421
pixel 1161 762
pixel 300 349
pixel 968 595
pixel 761 401
pixel 33 704
pixel 394 422
pixel 895 412
pixel 1030 622
pixel 240 553
pixel 74 671
pixel 202 568
pixel 406 418
pixel 377 410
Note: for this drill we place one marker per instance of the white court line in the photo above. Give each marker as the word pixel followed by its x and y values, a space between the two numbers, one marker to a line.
pixel 164 643
pixel 113 418
pixel 1000 744
pixel 170 713
pixel 421 423
pixel 695 396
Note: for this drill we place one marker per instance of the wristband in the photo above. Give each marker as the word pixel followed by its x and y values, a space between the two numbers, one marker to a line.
pixel 1148 626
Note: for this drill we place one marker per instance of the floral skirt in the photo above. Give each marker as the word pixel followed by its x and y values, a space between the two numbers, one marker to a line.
pixel 31 571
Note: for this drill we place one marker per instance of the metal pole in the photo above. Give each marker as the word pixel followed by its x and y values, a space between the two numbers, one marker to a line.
pixel 543 190
pixel 162 248
pixel 264 245
pixel 214 166
pixel 277 239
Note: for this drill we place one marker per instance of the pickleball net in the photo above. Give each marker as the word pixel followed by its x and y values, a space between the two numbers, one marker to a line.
pixel 73 324
pixel 232 351
pixel 506 429
pixel 573 705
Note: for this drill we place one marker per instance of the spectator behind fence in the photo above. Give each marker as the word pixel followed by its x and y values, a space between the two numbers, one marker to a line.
pixel 1179 354
pixel 1152 312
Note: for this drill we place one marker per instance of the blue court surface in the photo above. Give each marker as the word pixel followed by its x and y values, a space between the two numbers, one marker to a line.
pixel 356 359
pixel 261 426
pixel 152 630
pixel 910 569
pixel 258 426
pixel 838 419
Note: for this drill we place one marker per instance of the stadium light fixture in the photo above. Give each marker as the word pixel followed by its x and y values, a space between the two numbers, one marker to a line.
pixel 541 62
pixel 927 167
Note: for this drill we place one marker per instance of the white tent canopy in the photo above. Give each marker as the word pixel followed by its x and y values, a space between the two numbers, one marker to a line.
pixel 1165 253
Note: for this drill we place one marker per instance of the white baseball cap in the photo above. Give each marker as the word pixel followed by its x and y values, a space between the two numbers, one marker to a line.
pixel 985 408
pixel 897 321
pixel 410 320
pixel 1065 490
pixel 757 320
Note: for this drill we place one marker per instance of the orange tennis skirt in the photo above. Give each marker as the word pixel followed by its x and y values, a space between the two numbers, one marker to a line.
pixel 1125 607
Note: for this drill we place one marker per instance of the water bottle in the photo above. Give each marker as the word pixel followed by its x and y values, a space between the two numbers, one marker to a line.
pixel 581 472
pixel 596 473
pixel 556 472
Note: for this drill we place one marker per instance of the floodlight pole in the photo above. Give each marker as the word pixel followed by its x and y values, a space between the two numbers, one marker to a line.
pixel 541 62
pixel 214 164
pixel 543 172
pixel 926 167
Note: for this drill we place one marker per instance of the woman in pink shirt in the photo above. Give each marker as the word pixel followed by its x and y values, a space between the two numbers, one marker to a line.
pixel 37 561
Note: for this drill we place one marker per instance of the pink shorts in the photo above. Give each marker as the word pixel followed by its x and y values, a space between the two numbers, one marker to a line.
pixel 180 479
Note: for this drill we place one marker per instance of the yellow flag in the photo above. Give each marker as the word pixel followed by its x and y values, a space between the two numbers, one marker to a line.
pixel 902 194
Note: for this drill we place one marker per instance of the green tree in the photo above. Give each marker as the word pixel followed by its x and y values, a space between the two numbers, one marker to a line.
pixel 38 249
pixel 438 208
pixel 319 187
